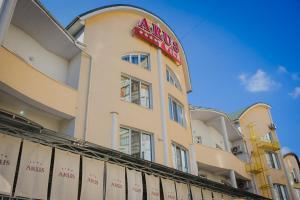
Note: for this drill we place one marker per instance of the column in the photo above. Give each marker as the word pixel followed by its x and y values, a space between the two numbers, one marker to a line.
pixel 225 134
pixel 114 130
pixel 6 14
pixel 270 183
pixel 193 162
pixel 227 148
pixel 162 107
pixel 292 195
pixel 232 178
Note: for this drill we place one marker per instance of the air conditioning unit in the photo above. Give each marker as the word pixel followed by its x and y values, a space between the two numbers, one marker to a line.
pixel 237 150
pixel 244 185
pixel 272 127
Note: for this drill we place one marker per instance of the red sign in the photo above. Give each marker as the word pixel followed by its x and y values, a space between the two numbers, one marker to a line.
pixel 154 35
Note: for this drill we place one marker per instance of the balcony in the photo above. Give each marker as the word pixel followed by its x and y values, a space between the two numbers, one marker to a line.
pixel 268 145
pixel 254 168
pixel 219 160
pixel 20 79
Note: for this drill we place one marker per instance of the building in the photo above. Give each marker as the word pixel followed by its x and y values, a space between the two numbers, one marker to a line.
pixel 292 163
pixel 109 92
pixel 265 158
pixel 215 134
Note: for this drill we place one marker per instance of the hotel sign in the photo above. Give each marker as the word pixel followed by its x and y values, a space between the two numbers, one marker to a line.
pixel 154 35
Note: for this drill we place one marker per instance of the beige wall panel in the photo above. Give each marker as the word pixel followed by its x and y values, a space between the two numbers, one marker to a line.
pixel 34 170
pixel 9 151
pixel 152 185
pixel 92 179
pixel 65 176
pixel 115 182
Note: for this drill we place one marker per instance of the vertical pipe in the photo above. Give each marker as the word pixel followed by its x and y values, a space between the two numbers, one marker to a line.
pixel 162 107
pixel 7 10
pixel 193 162
pixel 232 178
pixel 114 130
pixel 225 134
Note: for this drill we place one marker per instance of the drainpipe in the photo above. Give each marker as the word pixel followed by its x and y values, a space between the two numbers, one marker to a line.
pixel 6 13
pixel 227 148
pixel 193 162
pixel 270 183
pixel 162 107
pixel 114 130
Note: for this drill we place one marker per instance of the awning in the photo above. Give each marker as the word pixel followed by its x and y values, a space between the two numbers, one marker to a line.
pixel 152 185
pixel 65 176
pixel 34 170
pixel 196 193
pixel 134 185
pixel 92 179
pixel 182 191
pixel 207 194
pixel 9 151
pixel 115 182
pixel 168 189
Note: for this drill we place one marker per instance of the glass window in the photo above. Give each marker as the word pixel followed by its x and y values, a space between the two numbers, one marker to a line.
pixel 145 95
pixel 142 60
pixel 172 78
pixel 267 137
pixel 176 111
pixel 146 149
pixel 145 61
pixel 180 159
pixel 272 160
pixel 136 143
pixel 135 91
pixel 135 59
pixel 280 192
pixel 125 88
pixel 124 140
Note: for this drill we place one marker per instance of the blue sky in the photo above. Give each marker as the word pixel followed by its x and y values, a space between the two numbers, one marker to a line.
pixel 239 52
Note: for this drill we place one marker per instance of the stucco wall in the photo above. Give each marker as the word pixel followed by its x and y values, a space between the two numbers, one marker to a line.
pixel 32 52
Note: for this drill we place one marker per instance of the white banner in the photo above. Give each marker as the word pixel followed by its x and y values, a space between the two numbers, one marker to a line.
pixel 182 191
pixel 65 176
pixel 196 193
pixel 115 182
pixel 168 189
pixel 207 194
pixel 92 179
pixel 152 185
pixel 135 185
pixel 217 196
pixel 34 171
pixel 9 151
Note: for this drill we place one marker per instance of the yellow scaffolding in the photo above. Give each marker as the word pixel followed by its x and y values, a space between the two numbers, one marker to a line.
pixel 256 165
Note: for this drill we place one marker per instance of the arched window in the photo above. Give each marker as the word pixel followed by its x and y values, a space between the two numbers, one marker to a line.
pixel 172 79
pixel 140 59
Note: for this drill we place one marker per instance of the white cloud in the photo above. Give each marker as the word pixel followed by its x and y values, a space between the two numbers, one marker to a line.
pixel 281 69
pixel 296 93
pixel 285 150
pixel 258 82
pixel 295 76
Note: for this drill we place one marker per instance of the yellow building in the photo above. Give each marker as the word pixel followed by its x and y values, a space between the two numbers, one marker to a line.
pixel 292 164
pixel 117 77
pixel 265 159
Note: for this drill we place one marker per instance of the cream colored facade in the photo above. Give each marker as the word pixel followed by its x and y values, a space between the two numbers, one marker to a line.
pixel 266 162
pixel 70 81
pixel 292 164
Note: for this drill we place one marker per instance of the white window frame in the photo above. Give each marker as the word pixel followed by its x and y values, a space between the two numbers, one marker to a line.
pixel 140 87
pixel 140 133
pixel 171 113
pixel 273 160
pixel 170 73
pixel 174 152
pixel 139 54
pixel 280 192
